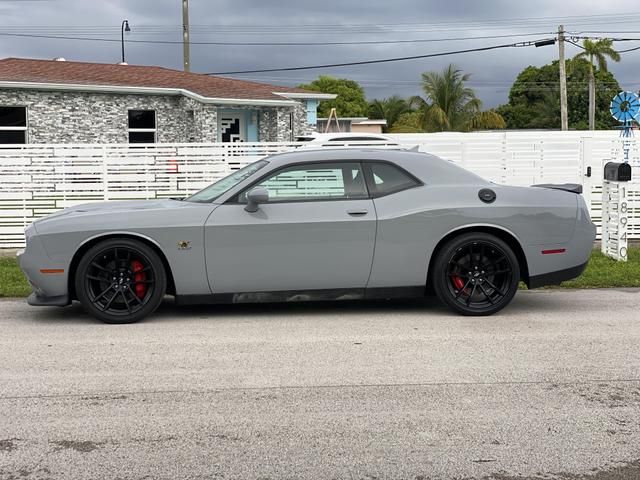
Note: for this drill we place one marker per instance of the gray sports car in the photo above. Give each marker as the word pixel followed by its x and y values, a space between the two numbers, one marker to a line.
pixel 309 225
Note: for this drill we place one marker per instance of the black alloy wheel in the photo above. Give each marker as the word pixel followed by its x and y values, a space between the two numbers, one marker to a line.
pixel 120 281
pixel 476 274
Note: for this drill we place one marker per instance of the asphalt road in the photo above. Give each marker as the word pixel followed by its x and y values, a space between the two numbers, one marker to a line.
pixel 551 386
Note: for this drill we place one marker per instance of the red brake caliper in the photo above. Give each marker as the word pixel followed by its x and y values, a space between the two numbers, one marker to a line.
pixel 139 276
pixel 457 282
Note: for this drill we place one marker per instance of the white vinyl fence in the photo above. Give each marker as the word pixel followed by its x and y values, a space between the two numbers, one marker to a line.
pixel 36 180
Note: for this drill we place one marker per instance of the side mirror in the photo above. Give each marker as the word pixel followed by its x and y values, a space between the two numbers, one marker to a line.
pixel 255 197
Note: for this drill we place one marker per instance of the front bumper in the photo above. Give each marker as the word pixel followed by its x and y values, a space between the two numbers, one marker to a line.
pixel 38 301
pixel 47 278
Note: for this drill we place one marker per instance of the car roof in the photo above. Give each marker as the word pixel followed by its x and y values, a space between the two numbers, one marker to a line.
pixel 328 136
pixel 325 154
pixel 426 167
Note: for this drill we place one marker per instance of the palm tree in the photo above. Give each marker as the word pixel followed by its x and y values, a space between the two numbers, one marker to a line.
pixel 389 109
pixel 596 51
pixel 450 105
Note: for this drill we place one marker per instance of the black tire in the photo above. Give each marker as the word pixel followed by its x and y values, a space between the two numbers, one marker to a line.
pixel 476 274
pixel 120 280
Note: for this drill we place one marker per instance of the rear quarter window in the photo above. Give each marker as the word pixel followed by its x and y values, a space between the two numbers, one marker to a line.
pixel 385 179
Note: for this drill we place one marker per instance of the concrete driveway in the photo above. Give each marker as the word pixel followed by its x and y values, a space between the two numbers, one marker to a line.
pixel 551 386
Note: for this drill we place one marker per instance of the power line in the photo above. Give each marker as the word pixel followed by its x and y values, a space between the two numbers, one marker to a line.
pixel 472 83
pixel 370 62
pixel 574 44
pixel 332 26
pixel 613 39
pixel 603 31
pixel 629 50
pixel 383 29
pixel 261 29
pixel 509 22
pixel 364 42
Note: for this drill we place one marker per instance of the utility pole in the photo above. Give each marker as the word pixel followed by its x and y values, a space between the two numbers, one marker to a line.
pixel 564 118
pixel 185 36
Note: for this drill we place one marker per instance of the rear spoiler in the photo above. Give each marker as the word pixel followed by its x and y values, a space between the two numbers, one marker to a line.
pixel 567 187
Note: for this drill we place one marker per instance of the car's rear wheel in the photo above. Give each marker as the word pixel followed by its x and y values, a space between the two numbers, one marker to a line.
pixel 120 280
pixel 476 274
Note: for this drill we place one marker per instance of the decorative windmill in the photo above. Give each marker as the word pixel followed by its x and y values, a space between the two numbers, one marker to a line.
pixel 625 108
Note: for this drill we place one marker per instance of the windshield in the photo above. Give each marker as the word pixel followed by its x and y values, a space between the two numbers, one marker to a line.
pixel 225 184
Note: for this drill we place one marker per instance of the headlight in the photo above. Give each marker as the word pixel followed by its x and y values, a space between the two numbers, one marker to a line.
pixel 29 232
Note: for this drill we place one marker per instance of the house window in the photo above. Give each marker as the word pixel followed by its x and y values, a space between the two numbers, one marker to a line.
pixel 13 125
pixel 142 126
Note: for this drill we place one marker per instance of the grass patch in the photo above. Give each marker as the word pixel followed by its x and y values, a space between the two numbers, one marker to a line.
pixel 12 281
pixel 602 272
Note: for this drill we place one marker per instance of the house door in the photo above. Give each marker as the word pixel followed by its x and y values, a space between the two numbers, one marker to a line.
pixel 232 128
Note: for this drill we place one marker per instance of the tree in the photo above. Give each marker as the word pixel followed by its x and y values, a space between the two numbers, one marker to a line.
pixel 534 98
pixel 596 52
pixel 350 100
pixel 389 109
pixel 449 105
pixel 410 122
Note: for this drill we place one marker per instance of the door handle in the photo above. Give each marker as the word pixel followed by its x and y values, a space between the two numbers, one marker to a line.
pixel 357 212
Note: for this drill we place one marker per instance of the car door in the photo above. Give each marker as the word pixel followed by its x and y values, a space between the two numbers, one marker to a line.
pixel 316 232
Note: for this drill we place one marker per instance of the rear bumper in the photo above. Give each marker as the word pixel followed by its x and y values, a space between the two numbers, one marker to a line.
pixel 556 278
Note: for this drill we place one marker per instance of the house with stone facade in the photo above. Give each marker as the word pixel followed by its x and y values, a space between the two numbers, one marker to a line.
pixel 57 101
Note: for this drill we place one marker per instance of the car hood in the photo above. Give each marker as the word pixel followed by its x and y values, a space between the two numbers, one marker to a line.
pixel 113 207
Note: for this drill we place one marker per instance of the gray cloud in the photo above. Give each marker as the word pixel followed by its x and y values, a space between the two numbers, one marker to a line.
pixel 492 72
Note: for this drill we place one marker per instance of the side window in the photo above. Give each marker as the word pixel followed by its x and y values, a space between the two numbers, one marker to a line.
pixel 320 181
pixel 386 179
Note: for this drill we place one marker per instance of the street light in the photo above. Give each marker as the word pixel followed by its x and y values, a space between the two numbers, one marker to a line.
pixel 125 28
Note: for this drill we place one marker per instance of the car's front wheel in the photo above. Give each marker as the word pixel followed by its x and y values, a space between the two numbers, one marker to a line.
pixel 120 280
pixel 476 274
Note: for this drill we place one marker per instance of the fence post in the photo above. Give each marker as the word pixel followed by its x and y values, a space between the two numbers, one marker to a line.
pixel 587 171
pixel 505 172
pixel 105 174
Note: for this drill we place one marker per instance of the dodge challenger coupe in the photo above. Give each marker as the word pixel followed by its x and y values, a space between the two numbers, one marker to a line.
pixel 310 225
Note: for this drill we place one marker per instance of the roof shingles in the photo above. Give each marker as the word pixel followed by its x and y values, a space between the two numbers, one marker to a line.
pixel 104 74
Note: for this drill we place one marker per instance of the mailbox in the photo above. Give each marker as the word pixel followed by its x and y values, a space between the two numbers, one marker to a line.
pixel 617 172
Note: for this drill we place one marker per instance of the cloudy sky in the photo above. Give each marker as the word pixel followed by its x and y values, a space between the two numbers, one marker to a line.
pixel 437 24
